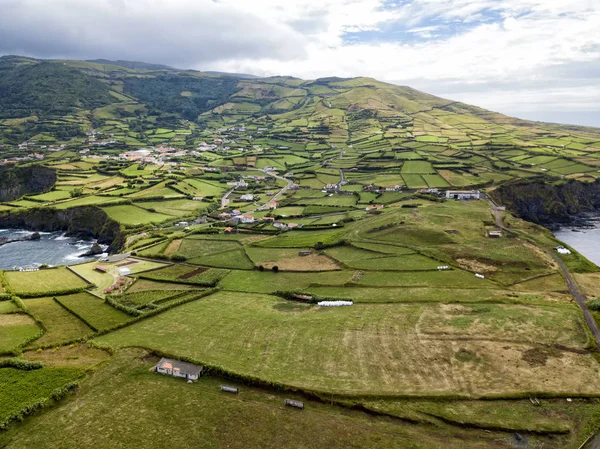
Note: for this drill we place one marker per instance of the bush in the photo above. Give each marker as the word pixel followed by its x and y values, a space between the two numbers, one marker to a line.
pixel 24 365
pixel 594 304
pixel 275 269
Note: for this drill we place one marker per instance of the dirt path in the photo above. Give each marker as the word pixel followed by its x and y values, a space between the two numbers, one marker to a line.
pixel 571 284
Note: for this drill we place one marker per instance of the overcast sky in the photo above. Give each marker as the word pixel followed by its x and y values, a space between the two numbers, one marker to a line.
pixel 536 59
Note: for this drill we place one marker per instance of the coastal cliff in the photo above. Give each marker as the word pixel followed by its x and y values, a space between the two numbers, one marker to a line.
pixel 550 205
pixel 85 221
pixel 18 181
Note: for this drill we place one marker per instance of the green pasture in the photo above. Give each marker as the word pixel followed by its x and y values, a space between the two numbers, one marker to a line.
pixel 257 335
pixel 43 282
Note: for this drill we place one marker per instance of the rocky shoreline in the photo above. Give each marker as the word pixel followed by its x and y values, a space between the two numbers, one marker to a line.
pixel 32 237
pixel 79 222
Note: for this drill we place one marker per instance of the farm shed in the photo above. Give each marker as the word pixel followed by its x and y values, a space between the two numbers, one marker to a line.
pixel 176 368
pixel 124 271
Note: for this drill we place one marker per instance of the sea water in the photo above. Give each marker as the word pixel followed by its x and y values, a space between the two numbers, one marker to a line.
pixel 53 248
pixel 584 240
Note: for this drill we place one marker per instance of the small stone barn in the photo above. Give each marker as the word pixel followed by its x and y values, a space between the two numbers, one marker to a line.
pixel 176 368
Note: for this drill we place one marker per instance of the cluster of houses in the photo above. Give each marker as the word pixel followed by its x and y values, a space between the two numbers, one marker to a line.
pixel 380 189
pixel 119 286
pixel 235 216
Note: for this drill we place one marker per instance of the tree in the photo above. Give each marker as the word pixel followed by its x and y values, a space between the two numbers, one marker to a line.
pixel 275 269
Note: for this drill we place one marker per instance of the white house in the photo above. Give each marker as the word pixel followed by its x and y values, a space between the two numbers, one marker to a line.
pixel 247 197
pixel 463 194
pixel 176 368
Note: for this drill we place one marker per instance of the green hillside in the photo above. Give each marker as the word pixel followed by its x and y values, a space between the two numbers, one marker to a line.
pixel 48 89
pixel 294 238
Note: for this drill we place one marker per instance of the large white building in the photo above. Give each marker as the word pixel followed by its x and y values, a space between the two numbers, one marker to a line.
pixel 463 194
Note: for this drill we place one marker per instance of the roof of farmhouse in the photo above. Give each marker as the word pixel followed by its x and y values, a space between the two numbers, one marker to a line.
pixel 183 367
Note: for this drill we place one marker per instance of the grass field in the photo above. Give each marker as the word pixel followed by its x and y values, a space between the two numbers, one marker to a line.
pixel 43 282
pixel 95 312
pixel 133 215
pixel 218 420
pixel 267 282
pixel 60 325
pixel 22 389
pixel 380 349
pixel 16 329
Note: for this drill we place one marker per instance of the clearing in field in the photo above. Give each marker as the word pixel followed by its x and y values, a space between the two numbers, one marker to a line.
pixel 379 349
pixel 312 262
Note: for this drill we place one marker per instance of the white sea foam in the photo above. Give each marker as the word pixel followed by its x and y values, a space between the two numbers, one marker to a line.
pixel 73 256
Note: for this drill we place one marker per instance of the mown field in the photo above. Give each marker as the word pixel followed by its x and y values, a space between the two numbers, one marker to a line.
pixel 44 282
pixel 408 349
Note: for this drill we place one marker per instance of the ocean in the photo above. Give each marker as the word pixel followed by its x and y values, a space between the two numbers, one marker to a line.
pixel 54 248
pixel 585 240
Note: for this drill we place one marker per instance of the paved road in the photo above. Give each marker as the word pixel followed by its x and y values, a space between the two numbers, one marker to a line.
pixel 225 199
pixel 571 284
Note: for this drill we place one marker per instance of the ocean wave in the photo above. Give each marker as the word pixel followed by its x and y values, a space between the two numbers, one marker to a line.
pixel 62 237
pixel 73 256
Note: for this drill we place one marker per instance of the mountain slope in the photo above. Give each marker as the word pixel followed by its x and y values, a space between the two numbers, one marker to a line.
pixel 362 112
pixel 47 88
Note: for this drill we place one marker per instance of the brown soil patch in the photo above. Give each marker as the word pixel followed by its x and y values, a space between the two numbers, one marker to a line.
pixel 476 265
pixel 254 238
pixel 72 355
pixel 542 255
pixel 173 247
pixel 538 356
pixel 589 283
pixel 15 319
pixel 131 262
pixel 191 274
pixel 314 262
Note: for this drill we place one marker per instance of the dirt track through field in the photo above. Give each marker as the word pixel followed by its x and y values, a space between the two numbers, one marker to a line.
pixel 571 284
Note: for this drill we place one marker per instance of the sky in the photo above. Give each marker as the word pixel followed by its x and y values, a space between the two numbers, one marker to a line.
pixel 534 59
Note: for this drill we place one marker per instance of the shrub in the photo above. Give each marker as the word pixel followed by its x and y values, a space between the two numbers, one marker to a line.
pixel 594 304
pixel 275 269
pixel 24 365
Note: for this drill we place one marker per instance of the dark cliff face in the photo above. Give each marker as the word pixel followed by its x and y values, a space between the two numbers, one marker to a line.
pixel 18 181
pixel 84 221
pixel 549 204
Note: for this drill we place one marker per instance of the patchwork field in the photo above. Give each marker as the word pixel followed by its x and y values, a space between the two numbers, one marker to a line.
pixel 272 195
